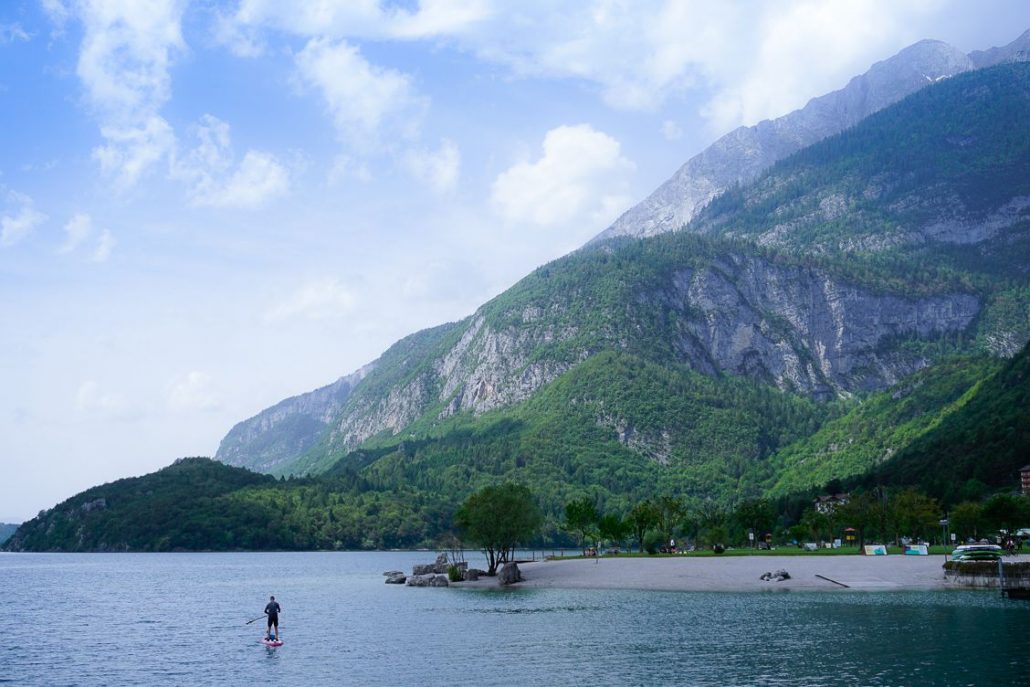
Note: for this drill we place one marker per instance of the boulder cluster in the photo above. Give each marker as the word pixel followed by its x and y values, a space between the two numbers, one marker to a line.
pixel 436 574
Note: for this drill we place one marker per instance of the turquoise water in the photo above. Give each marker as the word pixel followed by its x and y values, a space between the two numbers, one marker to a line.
pixel 178 619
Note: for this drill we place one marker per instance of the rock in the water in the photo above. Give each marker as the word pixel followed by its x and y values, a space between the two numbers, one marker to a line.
pixel 471 575
pixel 437 568
pixel 510 574
pixel 395 577
pixel 427 581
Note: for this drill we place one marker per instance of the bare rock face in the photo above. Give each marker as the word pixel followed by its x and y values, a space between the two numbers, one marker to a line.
pixel 745 152
pixel 287 429
pixel 799 329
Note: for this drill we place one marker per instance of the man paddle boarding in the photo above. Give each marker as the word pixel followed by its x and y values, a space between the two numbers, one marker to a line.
pixel 272 611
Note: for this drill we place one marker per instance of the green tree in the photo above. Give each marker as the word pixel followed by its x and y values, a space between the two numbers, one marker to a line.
pixel 612 528
pixel 670 511
pixel 755 515
pixel 498 518
pixel 967 520
pixel 915 513
pixel 581 517
pixel 1006 512
pixel 641 519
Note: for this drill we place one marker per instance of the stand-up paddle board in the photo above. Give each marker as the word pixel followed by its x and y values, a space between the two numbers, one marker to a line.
pixel 271 642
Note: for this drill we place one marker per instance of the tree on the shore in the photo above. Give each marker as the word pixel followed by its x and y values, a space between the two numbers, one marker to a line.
pixel 755 515
pixel 641 519
pixel 967 520
pixel 581 518
pixel 915 514
pixel 669 511
pixel 498 518
pixel 612 528
pixel 1006 512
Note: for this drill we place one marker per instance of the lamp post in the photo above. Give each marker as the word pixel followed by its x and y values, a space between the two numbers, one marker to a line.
pixel 944 534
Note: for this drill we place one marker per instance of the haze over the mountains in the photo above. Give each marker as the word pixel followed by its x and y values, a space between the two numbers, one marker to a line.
pixel 204 210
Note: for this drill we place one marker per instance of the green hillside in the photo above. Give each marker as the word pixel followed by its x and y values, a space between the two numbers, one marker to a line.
pixel 603 428
pixel 6 530
pixel 986 439
pixel 878 427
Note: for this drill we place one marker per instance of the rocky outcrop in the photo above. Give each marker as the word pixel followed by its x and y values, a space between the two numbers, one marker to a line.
pixel 395 577
pixel 438 567
pixel 289 428
pixel 427 581
pixel 745 152
pixel 799 329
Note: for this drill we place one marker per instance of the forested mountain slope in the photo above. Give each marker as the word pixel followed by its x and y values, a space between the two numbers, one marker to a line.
pixel 840 271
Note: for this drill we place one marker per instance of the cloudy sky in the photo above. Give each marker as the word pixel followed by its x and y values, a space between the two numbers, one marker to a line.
pixel 208 206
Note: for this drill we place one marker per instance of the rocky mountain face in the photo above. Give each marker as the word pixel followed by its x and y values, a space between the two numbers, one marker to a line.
pixel 287 429
pixel 745 152
pixel 839 271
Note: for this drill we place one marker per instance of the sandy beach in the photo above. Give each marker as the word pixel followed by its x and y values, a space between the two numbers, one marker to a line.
pixel 737 573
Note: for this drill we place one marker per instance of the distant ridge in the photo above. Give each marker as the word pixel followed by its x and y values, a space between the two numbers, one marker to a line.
pixel 745 152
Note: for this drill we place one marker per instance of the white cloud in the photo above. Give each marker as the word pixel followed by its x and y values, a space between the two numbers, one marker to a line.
pixel 361 97
pixel 105 244
pixel 9 33
pixel 348 18
pixel 321 299
pixel 438 169
pixel 127 49
pixel 77 230
pixel 207 170
pixel 131 151
pixel 580 176
pixel 192 392
pixel 803 50
pixel 19 218
pixel 760 59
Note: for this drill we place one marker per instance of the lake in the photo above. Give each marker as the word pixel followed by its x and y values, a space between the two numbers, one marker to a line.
pixel 179 619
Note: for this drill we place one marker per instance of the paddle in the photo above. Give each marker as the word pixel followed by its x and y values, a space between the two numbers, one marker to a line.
pixel 255 619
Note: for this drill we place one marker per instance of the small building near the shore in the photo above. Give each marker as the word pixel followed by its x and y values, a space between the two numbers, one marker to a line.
pixel 827 504
pixel 1024 474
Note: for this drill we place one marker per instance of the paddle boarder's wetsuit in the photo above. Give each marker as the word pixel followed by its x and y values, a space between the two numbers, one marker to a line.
pixel 272 610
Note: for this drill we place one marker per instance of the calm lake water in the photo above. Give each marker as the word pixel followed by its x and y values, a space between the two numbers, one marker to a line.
pixel 178 619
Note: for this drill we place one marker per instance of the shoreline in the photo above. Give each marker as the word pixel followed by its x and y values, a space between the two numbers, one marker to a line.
pixel 737 574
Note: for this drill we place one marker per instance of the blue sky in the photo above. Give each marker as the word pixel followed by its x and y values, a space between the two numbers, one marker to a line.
pixel 208 206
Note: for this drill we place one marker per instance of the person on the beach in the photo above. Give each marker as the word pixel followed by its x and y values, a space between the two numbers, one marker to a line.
pixel 272 611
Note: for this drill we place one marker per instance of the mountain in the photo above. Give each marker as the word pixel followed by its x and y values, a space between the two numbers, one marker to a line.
pixel 287 429
pixel 982 444
pixel 186 506
pixel 6 530
pixel 838 272
pixel 745 152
